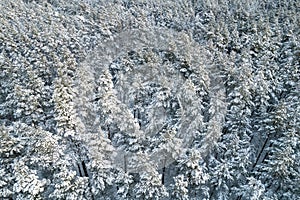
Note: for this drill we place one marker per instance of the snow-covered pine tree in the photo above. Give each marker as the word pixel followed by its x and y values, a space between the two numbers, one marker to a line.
pixel 124 134
pixel 32 162
pixel 69 125
pixel 149 185
pixel 191 176
pixel 179 190
pixel 233 157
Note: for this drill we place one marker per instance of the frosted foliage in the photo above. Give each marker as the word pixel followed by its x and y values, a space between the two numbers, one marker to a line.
pixel 8 146
pixel 150 186
pixel 189 166
pixel 180 188
pixel 169 149
pixel 28 185
pixel 124 182
pixel 28 156
pixel 66 115
pixel 101 152
pixel 253 190
pixel 156 79
pixel 68 186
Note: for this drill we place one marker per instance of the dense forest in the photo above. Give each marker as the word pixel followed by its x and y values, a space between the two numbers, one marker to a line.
pixel 150 99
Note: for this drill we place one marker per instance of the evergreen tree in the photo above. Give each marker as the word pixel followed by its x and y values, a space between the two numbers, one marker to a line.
pixel 149 185
pixel 33 161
